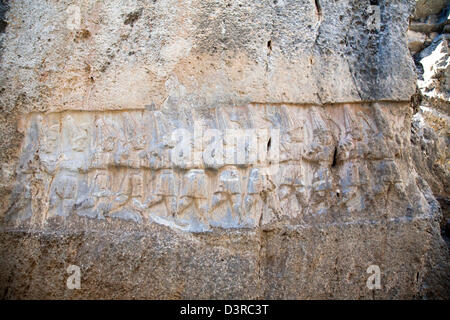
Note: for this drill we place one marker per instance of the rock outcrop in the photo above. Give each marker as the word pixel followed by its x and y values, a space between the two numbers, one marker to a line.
pixel 430 126
pixel 217 149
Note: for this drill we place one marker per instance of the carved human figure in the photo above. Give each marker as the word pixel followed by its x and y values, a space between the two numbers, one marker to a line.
pixel 96 203
pixel 166 191
pixel 292 191
pixel 261 194
pixel 49 138
pixel 21 200
pixel 253 199
pixel 292 137
pixel 378 136
pixel 157 155
pixel 321 148
pixel 386 174
pixel 228 192
pixel 349 146
pixel 62 194
pixel 194 191
pixel 350 183
pixel 128 200
pixel 134 132
pixel 350 153
pixel 269 194
pixel 106 142
pixel 49 145
pixel 321 153
pixel 134 141
pixel 322 183
pixel 78 134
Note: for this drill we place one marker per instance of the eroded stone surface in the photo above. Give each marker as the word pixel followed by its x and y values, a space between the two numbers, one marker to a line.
pixel 92 176
pixel 425 8
pixel 122 165
pixel 127 54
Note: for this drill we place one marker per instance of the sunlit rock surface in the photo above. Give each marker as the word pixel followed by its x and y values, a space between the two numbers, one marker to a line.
pixel 117 118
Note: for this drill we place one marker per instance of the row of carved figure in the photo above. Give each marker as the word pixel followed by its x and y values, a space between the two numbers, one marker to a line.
pixel 78 163
pixel 146 139
pixel 199 199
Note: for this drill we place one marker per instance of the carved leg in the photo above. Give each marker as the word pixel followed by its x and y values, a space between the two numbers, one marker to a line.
pixel 184 203
pixel 171 205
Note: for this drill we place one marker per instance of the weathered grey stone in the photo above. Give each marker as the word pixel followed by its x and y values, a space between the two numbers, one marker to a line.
pixel 311 97
pixel 430 127
pixel 435 60
pixel 416 41
pixel 174 57
pixel 425 8
pixel 427 27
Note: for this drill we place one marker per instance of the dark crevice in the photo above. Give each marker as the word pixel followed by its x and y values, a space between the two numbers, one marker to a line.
pixel 133 17
pixel 3 25
pixel 318 8
pixel 333 164
pixel 269 144
pixel 319 22
pixel 4 7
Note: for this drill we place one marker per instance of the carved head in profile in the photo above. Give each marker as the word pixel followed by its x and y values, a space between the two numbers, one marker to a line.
pixel 255 181
pixel 321 132
pixel 109 143
pixel 79 141
pixel 229 181
pixel 138 142
pixel 137 185
pixel 49 138
pixel 105 135
pixel 78 134
pixel 102 184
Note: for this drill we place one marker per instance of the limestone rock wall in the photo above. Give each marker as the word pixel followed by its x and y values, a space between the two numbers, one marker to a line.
pixel 430 134
pixel 116 118
pixel 431 121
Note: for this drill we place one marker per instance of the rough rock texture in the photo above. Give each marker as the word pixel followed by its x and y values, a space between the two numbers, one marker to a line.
pixel 431 123
pixel 425 8
pixel 92 93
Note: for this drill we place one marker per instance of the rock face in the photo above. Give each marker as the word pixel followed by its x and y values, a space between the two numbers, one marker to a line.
pixel 425 8
pixel 431 123
pixel 213 149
